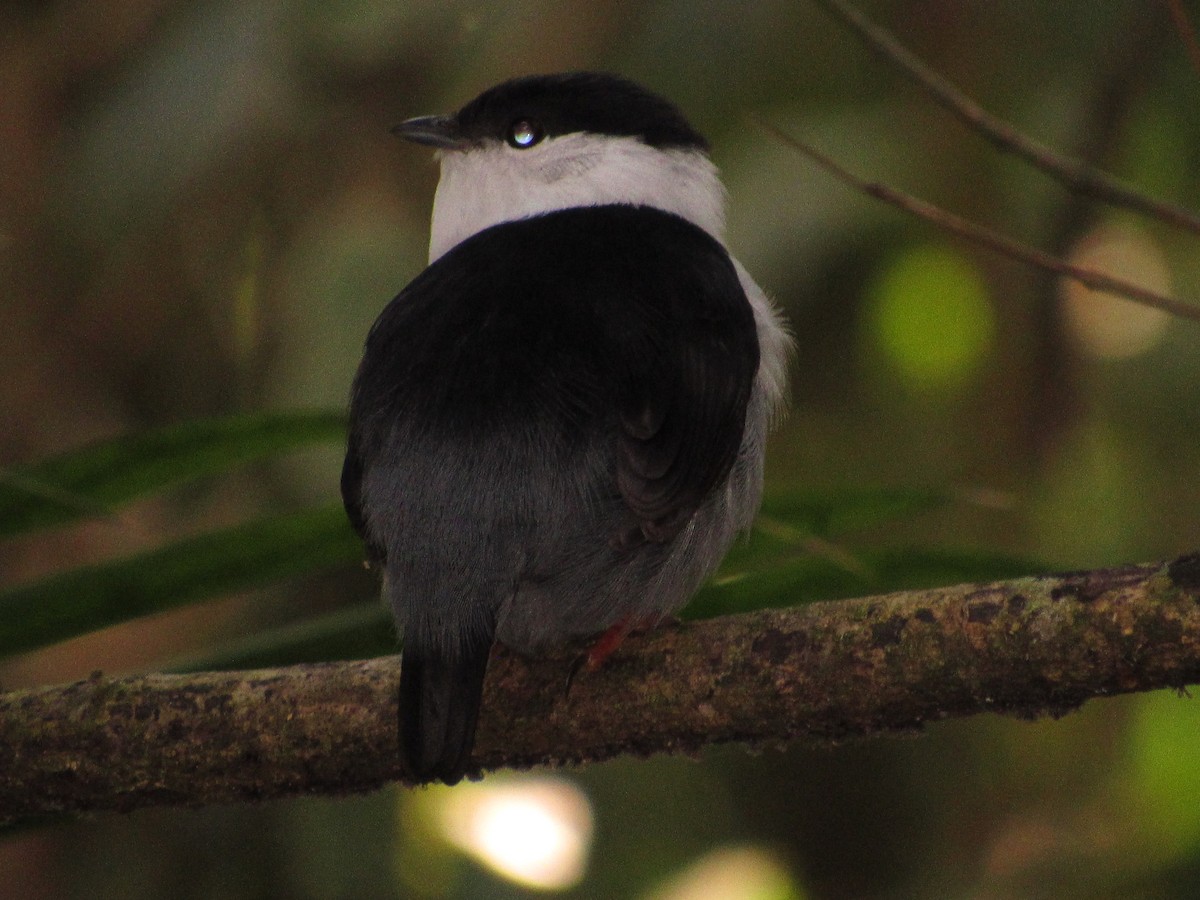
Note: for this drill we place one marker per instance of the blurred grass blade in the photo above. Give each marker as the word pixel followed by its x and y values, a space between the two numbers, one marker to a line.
pixel 210 565
pixel 93 480
pixel 773 542
pixel 797 581
pixel 845 510
pixel 362 631
pixel 809 579
pixel 795 523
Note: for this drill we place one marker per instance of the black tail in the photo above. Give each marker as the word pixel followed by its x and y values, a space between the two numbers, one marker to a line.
pixel 439 706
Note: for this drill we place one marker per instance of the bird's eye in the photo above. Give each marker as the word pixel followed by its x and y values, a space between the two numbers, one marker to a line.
pixel 524 133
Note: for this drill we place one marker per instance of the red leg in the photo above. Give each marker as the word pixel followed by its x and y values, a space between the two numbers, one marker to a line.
pixel 607 643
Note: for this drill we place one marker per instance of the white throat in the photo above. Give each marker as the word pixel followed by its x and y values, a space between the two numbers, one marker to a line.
pixel 495 183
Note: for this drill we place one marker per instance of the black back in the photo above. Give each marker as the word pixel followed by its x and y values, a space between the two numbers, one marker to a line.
pixel 627 321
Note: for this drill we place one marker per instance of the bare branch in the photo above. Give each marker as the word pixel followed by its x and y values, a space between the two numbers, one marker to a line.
pixel 1073 174
pixel 977 234
pixel 1028 647
pixel 1187 31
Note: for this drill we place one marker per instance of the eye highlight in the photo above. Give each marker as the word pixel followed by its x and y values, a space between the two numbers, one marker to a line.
pixel 524 133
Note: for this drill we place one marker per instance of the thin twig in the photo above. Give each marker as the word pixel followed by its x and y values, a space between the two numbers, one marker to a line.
pixel 1187 31
pixel 1075 175
pixel 976 233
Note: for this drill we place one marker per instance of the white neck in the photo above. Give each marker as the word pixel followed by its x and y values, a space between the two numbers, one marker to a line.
pixel 495 183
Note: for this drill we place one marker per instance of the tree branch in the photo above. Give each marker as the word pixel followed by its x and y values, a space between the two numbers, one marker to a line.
pixel 985 237
pixel 828 671
pixel 1186 31
pixel 1071 173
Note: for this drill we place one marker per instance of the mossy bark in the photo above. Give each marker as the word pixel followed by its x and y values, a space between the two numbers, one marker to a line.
pixel 1028 647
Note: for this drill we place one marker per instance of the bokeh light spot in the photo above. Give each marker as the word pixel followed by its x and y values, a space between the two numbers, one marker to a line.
pixel 731 873
pixel 534 831
pixel 929 314
pixel 1163 783
pixel 1103 324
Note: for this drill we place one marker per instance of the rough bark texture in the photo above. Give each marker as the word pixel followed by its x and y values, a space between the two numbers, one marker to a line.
pixel 1029 647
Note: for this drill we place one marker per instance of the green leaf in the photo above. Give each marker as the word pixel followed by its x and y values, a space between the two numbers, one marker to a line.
pixel 210 565
pixel 362 631
pixel 93 480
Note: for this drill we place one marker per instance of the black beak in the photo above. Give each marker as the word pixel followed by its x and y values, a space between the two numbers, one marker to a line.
pixel 433 131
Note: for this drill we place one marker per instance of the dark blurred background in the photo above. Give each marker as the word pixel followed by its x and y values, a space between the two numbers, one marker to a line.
pixel 202 211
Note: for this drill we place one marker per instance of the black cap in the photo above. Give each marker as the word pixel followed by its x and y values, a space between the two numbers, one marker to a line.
pixel 594 102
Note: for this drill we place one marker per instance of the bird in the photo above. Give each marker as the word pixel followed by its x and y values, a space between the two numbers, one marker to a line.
pixel 557 428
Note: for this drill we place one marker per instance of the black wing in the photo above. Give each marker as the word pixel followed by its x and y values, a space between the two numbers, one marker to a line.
pixel 688 355
pixel 681 427
pixel 352 499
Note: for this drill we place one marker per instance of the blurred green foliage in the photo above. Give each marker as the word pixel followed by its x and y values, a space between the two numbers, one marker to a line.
pixel 96 479
pixel 788 558
pixel 201 212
